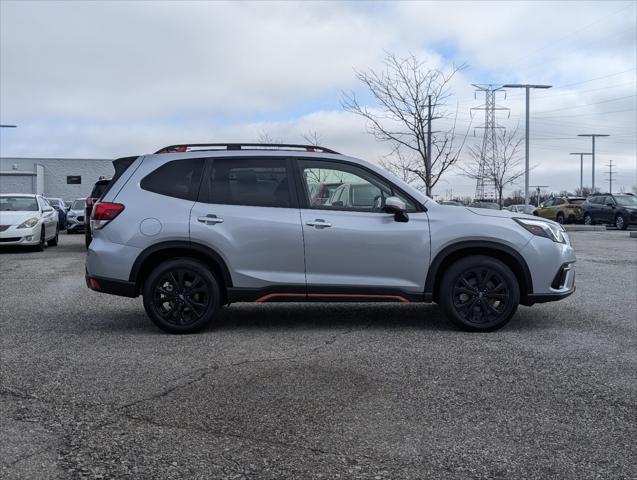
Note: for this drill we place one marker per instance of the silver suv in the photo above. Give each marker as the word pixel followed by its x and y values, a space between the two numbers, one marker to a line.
pixel 195 227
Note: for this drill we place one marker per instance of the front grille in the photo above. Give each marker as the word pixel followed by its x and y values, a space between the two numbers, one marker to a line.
pixel 4 227
pixel 10 239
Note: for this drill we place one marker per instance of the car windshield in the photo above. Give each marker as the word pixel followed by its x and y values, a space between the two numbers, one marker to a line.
pixel 79 204
pixel 626 200
pixel 18 204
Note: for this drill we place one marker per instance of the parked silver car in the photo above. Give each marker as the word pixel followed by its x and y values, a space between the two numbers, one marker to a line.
pixel 195 227
pixel 27 220
pixel 75 216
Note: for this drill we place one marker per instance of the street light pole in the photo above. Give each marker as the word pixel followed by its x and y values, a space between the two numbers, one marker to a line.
pixel 593 136
pixel 527 88
pixel 581 170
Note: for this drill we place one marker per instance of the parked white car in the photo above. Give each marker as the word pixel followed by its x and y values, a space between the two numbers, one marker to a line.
pixel 27 220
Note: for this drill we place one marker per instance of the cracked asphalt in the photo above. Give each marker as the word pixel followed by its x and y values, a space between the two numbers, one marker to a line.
pixel 91 389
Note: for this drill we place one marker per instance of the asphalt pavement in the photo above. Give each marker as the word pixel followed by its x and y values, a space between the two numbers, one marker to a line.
pixel 91 389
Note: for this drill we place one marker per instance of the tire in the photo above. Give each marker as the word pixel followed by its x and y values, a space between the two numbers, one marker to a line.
pixel 620 222
pixel 42 245
pixel 54 241
pixel 560 218
pixel 468 282
pixel 588 220
pixel 171 306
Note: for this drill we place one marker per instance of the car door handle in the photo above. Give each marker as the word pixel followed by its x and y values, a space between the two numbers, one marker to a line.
pixel 210 219
pixel 319 223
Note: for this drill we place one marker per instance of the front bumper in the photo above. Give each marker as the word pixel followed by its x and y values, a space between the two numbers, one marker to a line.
pixel 20 236
pixel 74 224
pixel 552 268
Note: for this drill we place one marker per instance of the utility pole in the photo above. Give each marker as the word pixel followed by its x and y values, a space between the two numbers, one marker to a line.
pixel 428 166
pixel 528 88
pixel 610 176
pixel 537 189
pixel 593 136
pixel 581 170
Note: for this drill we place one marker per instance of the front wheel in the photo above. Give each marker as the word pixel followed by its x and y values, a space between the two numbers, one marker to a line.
pixel 54 241
pixel 560 218
pixel 181 296
pixel 479 293
pixel 620 223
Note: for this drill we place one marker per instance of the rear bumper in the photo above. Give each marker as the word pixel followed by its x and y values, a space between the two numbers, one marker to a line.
pixel 111 286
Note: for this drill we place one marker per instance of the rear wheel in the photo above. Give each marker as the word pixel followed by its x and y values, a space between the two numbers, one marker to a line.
pixel 620 222
pixel 181 296
pixel 588 220
pixel 479 293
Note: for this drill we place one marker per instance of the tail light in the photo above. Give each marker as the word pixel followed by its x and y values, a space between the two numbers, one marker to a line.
pixel 103 213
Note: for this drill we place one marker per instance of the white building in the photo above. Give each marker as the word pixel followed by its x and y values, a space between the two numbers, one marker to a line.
pixel 66 178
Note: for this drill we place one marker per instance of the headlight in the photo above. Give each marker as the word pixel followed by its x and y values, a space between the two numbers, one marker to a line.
pixel 543 229
pixel 30 223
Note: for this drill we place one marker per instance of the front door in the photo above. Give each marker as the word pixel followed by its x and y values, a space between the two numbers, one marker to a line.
pixel 351 245
pixel 247 213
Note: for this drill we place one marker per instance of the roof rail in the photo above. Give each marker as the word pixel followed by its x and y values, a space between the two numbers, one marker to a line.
pixel 189 147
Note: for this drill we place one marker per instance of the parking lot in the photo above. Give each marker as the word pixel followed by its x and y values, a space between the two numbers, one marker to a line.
pixel 90 388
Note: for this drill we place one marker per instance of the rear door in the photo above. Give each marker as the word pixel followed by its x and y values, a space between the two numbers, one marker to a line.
pixel 249 215
pixel 351 245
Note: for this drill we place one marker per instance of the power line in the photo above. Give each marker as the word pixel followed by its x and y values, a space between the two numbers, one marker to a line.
pixel 588 104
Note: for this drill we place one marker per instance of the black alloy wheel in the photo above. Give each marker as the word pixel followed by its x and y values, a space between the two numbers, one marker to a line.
pixel 479 293
pixel 181 296
pixel 588 220
pixel 560 218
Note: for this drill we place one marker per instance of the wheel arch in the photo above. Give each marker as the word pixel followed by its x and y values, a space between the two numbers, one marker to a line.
pixel 448 255
pixel 157 253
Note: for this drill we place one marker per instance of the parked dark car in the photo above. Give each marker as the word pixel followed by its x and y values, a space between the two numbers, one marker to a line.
pixel 619 210
pixel 60 207
pixel 98 190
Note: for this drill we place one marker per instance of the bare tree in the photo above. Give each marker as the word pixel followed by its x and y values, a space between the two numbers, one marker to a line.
pixel 265 137
pixel 402 167
pixel 504 168
pixel 401 116
pixel 312 138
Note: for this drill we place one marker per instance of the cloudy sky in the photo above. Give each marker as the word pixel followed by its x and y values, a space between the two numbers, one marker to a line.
pixel 107 79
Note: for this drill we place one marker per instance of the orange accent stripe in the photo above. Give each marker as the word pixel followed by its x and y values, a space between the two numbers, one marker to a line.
pixel 267 297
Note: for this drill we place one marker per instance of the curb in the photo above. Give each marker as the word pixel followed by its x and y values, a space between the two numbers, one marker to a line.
pixel 584 228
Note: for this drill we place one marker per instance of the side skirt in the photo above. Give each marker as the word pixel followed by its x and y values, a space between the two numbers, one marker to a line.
pixel 322 294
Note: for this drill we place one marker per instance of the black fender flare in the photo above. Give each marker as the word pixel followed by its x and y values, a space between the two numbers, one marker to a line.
pixel 199 250
pixel 477 247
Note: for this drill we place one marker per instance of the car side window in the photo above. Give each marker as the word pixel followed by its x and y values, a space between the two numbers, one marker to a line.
pixel 351 188
pixel 548 203
pixel 178 179
pixel 559 201
pixel 257 182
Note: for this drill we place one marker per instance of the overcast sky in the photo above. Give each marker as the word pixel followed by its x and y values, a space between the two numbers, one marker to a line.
pixel 108 79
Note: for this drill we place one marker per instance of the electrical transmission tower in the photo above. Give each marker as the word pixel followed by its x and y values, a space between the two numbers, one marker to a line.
pixel 610 176
pixel 485 188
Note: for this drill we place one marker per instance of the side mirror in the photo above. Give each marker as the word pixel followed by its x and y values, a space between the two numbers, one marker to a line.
pixel 610 204
pixel 47 209
pixel 397 207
